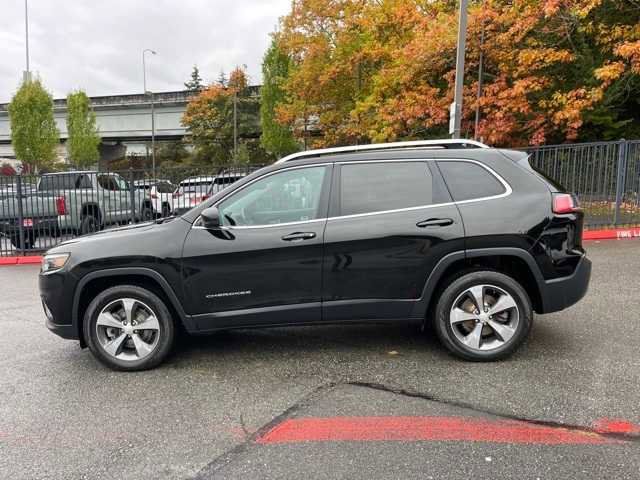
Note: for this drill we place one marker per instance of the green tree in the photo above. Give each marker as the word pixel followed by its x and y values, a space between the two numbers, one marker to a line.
pixel 34 135
pixel 83 142
pixel 195 83
pixel 209 119
pixel 276 138
pixel 222 78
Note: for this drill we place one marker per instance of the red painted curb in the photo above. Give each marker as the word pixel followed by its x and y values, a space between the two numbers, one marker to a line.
pixel 461 429
pixel 28 260
pixel 610 234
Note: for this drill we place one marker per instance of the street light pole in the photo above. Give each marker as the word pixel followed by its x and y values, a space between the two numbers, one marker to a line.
pixel 27 74
pixel 457 101
pixel 153 117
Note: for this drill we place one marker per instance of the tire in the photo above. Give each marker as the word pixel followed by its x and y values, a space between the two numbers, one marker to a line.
pixel 146 215
pixel 115 343
pixel 89 224
pixel 166 210
pixel 493 333
pixel 29 240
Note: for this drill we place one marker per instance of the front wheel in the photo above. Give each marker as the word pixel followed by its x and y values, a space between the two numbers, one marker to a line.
pixel 483 316
pixel 129 328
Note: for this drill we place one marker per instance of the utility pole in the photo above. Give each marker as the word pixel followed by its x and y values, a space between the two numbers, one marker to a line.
pixel 235 124
pixel 153 116
pixel 456 107
pixel 27 73
pixel 480 79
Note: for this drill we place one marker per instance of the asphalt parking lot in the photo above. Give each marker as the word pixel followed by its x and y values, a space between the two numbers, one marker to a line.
pixel 265 404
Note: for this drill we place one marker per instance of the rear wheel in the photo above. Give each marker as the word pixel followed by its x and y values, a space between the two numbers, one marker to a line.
pixel 89 224
pixel 166 210
pixel 129 328
pixel 483 316
pixel 30 238
pixel 147 213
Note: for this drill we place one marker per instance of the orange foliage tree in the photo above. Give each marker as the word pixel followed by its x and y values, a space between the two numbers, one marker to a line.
pixel 382 70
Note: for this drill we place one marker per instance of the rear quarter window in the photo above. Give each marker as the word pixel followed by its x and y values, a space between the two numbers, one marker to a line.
pixel 468 181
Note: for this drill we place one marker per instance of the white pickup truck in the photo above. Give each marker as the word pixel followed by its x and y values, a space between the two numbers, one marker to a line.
pixel 80 202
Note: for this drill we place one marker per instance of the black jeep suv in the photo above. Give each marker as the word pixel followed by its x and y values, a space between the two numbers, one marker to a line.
pixel 467 237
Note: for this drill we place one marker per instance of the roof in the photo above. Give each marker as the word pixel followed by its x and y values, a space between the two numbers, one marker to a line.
pixel 376 147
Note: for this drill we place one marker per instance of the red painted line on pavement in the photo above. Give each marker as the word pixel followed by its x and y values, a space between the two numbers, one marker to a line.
pixel 610 234
pixel 461 429
pixel 616 425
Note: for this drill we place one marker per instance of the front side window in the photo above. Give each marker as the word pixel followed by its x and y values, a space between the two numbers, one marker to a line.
pixel 289 196
pixel 106 182
pixel 378 187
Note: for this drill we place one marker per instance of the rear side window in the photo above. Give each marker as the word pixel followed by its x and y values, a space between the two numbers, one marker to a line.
pixel 376 187
pixel 468 180
pixel 58 182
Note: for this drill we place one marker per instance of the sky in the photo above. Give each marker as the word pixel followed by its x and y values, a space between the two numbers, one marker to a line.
pixel 96 45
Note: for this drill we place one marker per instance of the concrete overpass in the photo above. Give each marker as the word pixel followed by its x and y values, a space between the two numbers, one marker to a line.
pixel 124 121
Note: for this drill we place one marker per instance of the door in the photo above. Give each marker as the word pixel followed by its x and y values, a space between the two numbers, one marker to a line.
pixel 264 266
pixel 113 197
pixel 390 222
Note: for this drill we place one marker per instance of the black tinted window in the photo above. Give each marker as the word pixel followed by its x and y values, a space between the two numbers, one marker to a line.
pixel 58 182
pixel 468 180
pixel 375 187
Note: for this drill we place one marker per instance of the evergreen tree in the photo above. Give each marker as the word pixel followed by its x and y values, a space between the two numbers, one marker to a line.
pixel 195 83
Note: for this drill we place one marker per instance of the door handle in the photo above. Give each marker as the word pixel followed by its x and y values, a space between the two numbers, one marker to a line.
pixel 435 222
pixel 299 236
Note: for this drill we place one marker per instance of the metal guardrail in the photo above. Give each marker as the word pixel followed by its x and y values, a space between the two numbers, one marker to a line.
pixel 604 175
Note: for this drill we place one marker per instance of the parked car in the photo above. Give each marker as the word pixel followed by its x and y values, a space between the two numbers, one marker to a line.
pixel 160 192
pixel 35 211
pixel 191 192
pixel 195 190
pixel 468 238
pixel 78 201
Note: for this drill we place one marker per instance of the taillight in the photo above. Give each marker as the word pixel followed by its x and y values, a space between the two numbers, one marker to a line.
pixel 154 196
pixel 564 203
pixel 61 206
pixel 204 197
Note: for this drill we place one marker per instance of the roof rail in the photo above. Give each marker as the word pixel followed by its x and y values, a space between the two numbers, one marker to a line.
pixel 446 143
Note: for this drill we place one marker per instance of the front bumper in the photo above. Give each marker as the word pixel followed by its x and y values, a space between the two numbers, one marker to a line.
pixel 561 293
pixel 56 293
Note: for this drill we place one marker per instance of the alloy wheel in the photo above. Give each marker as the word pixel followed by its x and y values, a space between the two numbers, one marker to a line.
pixel 128 329
pixel 484 317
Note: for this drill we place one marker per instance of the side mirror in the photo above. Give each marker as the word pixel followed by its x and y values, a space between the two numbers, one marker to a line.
pixel 210 218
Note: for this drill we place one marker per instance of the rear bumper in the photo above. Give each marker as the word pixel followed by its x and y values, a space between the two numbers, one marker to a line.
pixel 41 226
pixel 561 293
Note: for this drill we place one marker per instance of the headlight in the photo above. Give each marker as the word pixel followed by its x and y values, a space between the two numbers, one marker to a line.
pixel 53 262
